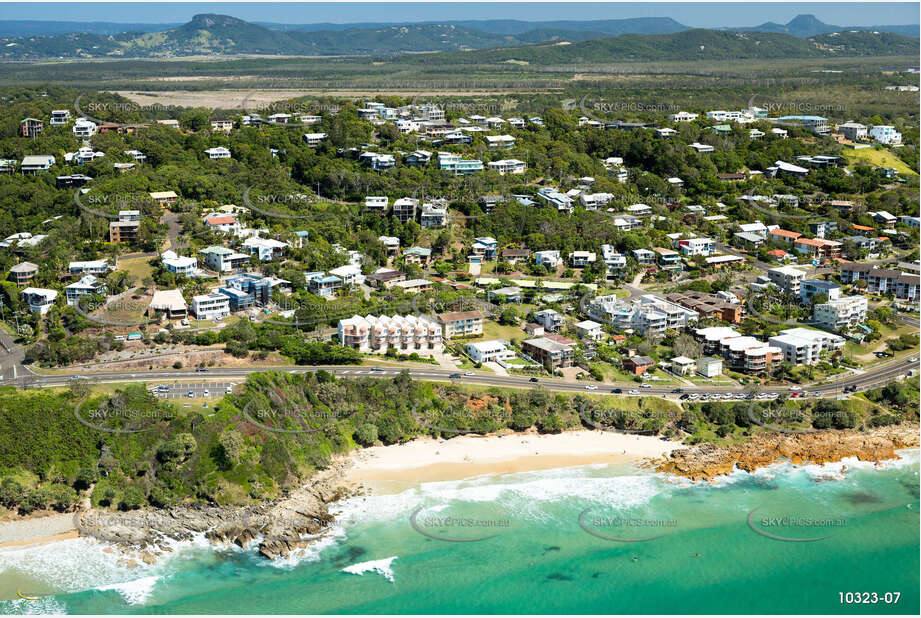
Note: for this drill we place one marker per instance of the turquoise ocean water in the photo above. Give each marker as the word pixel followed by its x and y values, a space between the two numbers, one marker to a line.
pixel 703 552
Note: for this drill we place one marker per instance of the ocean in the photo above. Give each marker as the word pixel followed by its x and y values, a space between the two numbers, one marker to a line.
pixel 588 539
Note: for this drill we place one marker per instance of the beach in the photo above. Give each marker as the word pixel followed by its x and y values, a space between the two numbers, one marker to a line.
pixel 428 459
pixel 37 530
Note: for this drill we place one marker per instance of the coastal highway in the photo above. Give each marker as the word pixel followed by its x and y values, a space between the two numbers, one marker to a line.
pixel 217 379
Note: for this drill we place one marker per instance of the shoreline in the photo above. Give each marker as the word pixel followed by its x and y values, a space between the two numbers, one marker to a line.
pixel 432 460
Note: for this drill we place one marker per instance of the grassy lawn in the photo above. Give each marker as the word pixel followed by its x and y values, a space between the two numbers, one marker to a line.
pixel 494 330
pixel 139 268
pixel 878 158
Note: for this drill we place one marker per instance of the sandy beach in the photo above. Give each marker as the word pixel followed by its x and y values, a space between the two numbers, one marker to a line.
pixel 427 459
pixel 37 530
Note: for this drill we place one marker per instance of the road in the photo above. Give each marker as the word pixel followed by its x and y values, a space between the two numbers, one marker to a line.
pixel 217 380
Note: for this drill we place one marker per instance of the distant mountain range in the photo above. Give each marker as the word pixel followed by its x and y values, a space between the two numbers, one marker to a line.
pixel 210 34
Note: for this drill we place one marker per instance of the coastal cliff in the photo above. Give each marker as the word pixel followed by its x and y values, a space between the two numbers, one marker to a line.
pixel 707 461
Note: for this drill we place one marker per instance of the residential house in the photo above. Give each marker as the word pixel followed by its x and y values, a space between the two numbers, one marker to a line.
pixel 638 365
pixel 457 165
pixel 23 272
pixel 553 198
pixel 417 255
pixel 644 257
pixel 513 256
pixel 377 204
pixel 265 249
pixel 164 198
pixel 885 134
pixel 222 124
pixel 322 285
pixel 508 166
pixel 550 319
pixel 32 164
pixel 504 142
pixel 39 299
pixel 385 279
pixel 683 117
pixel 709 366
pixel 223 223
pixel 614 261
pixel 853 131
pixel 391 245
pixel 783 236
pixel 217 153
pixel 550 259
pixel 418 158
pixel 433 216
pixel 485 246
pixel 581 259
pixel 126 228
pixel 187 266
pixel 59 117
pixel 210 306
pixel 787 278
pixel 494 350
pixel 222 260
pixel 92 267
pixel 169 303
pixel 30 127
pixel 702 148
pixel 590 330
pixel 350 274
pixel 314 139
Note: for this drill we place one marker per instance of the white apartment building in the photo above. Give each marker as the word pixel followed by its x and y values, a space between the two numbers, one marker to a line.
pixel 615 261
pixel 550 259
pixel 787 278
pixel 210 306
pixel 802 346
pixel 695 246
pixel 378 334
pixel 648 314
pixel 593 201
pixel 84 129
pixel 683 117
pixel 842 313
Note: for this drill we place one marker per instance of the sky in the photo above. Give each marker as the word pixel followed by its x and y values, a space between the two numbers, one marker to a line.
pixel 690 14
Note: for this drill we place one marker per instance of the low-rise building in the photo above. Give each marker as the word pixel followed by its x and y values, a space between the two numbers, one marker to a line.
pixel 803 346
pixel 461 323
pixel 169 303
pixel 88 284
pixel 841 313
pixel 223 260
pixel 787 278
pixel 638 365
pixel 210 306
pixel 23 272
pixel 39 300
pixel 550 319
pixel 590 330
pixel 709 366
pixel 810 287
pixel 549 353
pixel 379 334
pixel 494 350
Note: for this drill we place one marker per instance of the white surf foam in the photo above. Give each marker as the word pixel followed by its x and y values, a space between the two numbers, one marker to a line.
pixel 134 592
pixel 373 566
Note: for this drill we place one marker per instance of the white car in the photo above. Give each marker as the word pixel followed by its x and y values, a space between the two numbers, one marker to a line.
pixel 694 396
pixel 469 373
pixel 591 387
pixel 229 390
pixel 191 395
pixel 645 386
pixel 207 393
pixel 633 391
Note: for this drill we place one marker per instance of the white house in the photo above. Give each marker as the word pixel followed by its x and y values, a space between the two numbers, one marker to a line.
pixel 508 166
pixel 489 351
pixel 218 153
pixel 350 274
pixel 88 284
pixel 683 117
pixel 211 306
pixel 265 248
pixel 550 259
pixel 589 329
pixel 505 142
pixel 39 299
pixel 179 265
pixel 885 134
pixel 84 129
pixel 314 139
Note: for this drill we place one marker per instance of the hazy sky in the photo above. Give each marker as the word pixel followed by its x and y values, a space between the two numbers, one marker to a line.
pixel 691 14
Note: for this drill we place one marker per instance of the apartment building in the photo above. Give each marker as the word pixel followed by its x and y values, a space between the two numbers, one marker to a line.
pixel 741 353
pixel 461 323
pixel 549 353
pixel 841 313
pixel 550 319
pixel 708 306
pixel 810 287
pixel 647 314
pixel 802 346
pixel 222 260
pixel 126 228
pixel 494 350
pixel 787 278
pixel 378 334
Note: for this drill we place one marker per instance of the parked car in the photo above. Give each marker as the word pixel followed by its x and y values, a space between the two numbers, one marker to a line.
pixel 191 395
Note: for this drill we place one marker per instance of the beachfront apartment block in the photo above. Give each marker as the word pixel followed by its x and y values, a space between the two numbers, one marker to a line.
pixel 803 346
pixel 378 334
pixel 841 313
pixel 461 323
pixel 211 306
pixel 548 352
pixel 740 352
pixel 787 278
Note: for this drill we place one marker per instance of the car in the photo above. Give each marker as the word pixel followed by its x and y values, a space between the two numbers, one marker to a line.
pixel 469 373
pixel 184 321
pixel 533 380
pixel 591 387
pixel 694 396
pixel 677 390
pixel 455 376
pixel 792 388
pixel 617 391
pixel 229 390
pixel 201 369
pixel 645 386
pixel 684 396
pixel 794 394
pixel 913 359
pixel 161 388
pixel 191 395
pixel 207 393
pixel 377 368
pixel 633 391
pixel 76 378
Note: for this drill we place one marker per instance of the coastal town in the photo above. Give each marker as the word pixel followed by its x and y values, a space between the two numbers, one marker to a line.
pixel 748 276
pixel 459 308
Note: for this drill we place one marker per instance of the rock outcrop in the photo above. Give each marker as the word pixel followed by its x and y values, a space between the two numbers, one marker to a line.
pixel 707 461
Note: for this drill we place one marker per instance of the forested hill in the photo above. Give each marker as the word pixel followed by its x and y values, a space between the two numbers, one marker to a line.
pixel 693 45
